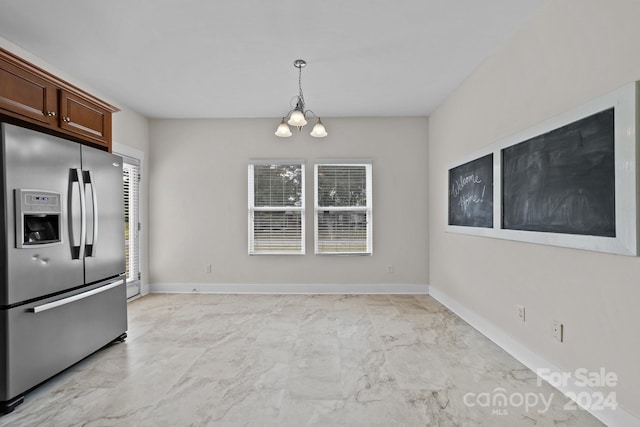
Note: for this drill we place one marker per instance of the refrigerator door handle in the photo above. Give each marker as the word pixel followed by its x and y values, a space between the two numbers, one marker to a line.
pixel 91 249
pixel 78 251
pixel 68 300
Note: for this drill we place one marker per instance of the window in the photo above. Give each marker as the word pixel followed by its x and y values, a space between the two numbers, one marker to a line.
pixel 343 217
pixel 131 187
pixel 276 207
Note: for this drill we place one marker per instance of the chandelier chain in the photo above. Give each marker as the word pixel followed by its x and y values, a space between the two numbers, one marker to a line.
pixel 300 94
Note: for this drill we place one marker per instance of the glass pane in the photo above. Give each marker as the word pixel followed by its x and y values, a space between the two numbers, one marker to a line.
pixel 277 185
pixel 343 231
pixel 131 238
pixel 277 231
pixel 342 185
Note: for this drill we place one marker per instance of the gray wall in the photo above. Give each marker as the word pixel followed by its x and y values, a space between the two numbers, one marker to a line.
pixel 198 200
pixel 571 52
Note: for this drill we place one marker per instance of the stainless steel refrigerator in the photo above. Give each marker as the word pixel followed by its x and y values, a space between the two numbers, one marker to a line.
pixel 62 286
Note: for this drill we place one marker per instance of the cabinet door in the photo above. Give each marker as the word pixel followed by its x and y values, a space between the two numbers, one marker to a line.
pixel 26 96
pixel 82 117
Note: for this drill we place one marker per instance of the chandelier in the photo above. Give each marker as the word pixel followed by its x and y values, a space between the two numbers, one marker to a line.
pixel 298 115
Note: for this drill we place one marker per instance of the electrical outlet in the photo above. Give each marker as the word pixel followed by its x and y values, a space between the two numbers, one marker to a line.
pixel 207 268
pixel 390 268
pixel 520 312
pixel 558 330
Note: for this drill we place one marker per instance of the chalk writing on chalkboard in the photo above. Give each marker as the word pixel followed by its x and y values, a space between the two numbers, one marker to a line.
pixel 563 181
pixel 471 193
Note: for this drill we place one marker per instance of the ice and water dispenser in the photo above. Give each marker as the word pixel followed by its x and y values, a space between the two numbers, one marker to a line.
pixel 38 218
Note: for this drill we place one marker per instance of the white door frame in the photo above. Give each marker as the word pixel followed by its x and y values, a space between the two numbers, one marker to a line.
pixel 127 151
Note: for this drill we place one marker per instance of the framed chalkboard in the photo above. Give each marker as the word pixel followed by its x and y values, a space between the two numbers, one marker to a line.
pixel 563 181
pixel 471 193
pixel 568 181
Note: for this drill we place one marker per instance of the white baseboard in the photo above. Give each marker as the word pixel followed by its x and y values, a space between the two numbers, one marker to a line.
pixel 144 289
pixel 611 417
pixel 242 288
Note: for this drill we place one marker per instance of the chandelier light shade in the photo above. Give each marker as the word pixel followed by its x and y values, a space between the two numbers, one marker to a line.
pixel 283 130
pixel 297 119
pixel 297 116
pixel 318 130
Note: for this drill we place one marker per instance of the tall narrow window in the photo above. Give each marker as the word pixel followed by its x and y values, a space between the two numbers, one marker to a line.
pixel 343 214
pixel 276 207
pixel 131 186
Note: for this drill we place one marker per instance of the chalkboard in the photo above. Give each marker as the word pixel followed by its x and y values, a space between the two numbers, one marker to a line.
pixel 471 193
pixel 563 181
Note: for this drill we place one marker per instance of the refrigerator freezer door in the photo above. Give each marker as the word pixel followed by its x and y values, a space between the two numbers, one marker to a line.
pixel 50 335
pixel 35 161
pixel 104 253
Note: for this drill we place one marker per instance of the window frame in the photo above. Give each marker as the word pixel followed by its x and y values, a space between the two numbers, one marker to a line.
pixel 252 208
pixel 368 209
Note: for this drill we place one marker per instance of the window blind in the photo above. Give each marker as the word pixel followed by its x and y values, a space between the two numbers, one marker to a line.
pixel 131 189
pixel 343 214
pixel 276 208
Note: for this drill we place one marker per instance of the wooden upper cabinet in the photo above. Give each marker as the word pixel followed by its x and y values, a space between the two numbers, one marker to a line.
pixel 81 116
pixel 36 97
pixel 26 95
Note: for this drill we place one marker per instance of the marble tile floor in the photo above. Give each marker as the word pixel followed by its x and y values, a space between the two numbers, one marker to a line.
pixel 296 360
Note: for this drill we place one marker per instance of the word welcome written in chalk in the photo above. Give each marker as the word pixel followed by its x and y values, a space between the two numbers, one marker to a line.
pixel 471 193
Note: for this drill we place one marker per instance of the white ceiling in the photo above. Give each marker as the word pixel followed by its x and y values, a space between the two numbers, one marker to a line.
pixel 234 58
